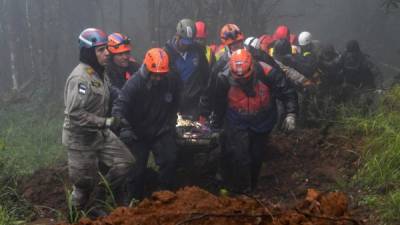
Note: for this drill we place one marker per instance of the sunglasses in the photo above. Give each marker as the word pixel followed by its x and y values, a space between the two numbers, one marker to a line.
pixel 231 34
pixel 123 42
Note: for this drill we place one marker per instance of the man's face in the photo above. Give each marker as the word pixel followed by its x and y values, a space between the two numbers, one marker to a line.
pixel 122 59
pixel 182 45
pixel 236 45
pixel 102 54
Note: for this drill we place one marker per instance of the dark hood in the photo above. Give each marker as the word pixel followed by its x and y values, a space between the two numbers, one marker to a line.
pixel 88 56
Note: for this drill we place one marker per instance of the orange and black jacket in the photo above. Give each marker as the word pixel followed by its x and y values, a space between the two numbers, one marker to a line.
pixel 253 106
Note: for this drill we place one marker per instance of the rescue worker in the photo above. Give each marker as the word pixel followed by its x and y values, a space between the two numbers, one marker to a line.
pixel 298 72
pixel 121 65
pixel 201 39
pixel 282 32
pixel 232 39
pixel 307 45
pixel 362 78
pixel 189 60
pixel 265 42
pixel 331 87
pixel 289 65
pixel 330 65
pixel 358 70
pixel 86 130
pixel 245 97
pixel 252 45
pixel 149 101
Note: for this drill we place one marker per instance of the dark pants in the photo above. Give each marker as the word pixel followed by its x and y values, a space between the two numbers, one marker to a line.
pixel 242 154
pixel 83 169
pixel 164 149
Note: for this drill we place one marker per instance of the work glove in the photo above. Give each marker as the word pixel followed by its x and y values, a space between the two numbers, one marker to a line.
pixel 115 123
pixel 289 124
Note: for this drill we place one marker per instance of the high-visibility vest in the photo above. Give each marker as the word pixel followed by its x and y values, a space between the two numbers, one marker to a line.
pixel 294 51
pixel 209 54
pixel 219 53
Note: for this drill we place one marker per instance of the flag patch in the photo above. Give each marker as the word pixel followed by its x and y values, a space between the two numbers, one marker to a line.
pixel 82 89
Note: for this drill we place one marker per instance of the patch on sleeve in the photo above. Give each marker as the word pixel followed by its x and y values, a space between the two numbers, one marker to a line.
pixel 95 83
pixel 82 89
pixel 89 71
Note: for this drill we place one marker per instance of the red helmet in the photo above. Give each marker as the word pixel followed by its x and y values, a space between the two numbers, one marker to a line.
pixel 118 43
pixel 230 33
pixel 282 32
pixel 156 60
pixel 201 29
pixel 241 64
pixel 265 41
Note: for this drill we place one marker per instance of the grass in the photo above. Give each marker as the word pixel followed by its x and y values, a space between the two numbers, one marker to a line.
pixel 379 176
pixel 30 138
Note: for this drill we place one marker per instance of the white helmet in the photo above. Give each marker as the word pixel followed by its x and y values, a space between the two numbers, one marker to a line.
pixel 305 38
pixel 252 42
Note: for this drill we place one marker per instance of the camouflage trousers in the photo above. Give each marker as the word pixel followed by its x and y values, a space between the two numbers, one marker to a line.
pixel 83 167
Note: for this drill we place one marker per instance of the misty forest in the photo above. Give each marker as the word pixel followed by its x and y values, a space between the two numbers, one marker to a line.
pixel 199 112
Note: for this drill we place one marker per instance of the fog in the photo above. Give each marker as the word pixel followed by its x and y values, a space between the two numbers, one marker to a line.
pixel 40 47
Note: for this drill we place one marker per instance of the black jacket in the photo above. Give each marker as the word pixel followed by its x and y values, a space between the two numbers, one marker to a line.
pixel 194 84
pixel 118 77
pixel 150 109
pixel 360 72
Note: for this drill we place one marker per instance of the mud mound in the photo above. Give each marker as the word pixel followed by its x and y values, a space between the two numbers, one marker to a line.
pixel 192 205
pixel 45 189
pixel 310 158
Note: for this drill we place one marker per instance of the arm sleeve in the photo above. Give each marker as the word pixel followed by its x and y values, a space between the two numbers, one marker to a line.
pixel 293 75
pixel 282 89
pixel 126 98
pixel 220 98
pixel 77 98
pixel 208 101
pixel 178 86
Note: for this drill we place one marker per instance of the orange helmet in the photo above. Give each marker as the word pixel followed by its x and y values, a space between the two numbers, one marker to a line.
pixel 201 29
pixel 230 33
pixel 118 43
pixel 156 60
pixel 241 64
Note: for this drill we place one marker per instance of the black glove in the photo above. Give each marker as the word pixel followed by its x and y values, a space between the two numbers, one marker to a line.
pixel 127 135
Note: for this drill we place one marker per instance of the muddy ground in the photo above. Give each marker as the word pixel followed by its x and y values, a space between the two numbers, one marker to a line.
pixel 311 158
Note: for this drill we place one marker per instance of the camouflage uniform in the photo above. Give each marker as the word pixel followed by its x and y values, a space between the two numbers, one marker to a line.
pixel 86 98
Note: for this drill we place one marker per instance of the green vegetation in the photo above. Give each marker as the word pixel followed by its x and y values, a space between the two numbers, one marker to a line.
pixel 379 176
pixel 29 140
